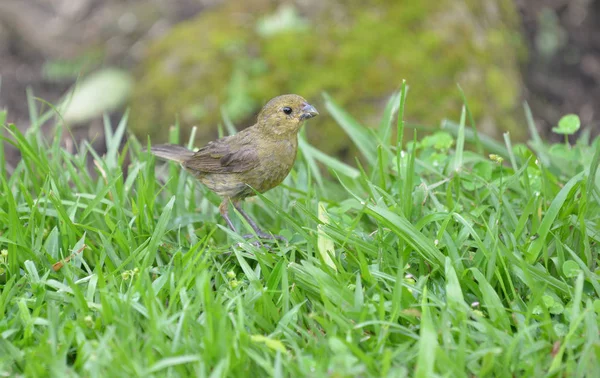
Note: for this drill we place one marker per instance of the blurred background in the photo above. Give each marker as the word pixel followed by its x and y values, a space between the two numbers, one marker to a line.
pixel 194 61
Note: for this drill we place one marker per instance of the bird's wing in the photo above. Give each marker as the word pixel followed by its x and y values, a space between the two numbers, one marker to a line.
pixel 223 157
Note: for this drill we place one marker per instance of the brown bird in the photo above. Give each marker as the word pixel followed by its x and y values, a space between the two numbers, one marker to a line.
pixel 256 159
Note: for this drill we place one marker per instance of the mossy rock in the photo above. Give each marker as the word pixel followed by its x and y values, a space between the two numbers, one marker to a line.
pixel 238 56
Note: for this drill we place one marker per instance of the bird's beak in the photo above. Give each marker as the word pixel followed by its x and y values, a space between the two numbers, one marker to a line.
pixel 308 111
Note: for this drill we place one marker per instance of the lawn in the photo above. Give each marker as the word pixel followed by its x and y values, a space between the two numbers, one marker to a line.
pixel 454 255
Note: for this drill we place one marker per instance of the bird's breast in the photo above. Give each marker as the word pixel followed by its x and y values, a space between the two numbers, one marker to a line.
pixel 276 162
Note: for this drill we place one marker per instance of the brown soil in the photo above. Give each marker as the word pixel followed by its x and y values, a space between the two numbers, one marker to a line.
pixel 35 32
pixel 563 70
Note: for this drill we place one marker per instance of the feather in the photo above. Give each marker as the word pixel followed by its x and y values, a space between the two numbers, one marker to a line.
pixel 172 152
pixel 219 157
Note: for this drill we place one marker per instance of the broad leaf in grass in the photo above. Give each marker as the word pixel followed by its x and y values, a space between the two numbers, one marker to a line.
pixel 568 124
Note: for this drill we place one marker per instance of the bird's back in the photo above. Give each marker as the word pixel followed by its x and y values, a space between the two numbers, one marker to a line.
pixel 237 168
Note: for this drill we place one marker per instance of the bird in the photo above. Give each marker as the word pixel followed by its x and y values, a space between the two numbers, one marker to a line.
pixel 256 159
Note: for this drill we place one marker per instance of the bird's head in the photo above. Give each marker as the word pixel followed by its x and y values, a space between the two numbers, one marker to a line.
pixel 284 114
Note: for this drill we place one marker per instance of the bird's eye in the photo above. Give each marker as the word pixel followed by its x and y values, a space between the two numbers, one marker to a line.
pixel 287 110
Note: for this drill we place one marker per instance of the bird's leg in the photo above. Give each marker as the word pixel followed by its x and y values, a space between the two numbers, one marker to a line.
pixel 224 210
pixel 250 221
pixel 260 233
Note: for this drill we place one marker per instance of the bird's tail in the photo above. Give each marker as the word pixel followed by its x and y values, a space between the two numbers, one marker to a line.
pixel 172 152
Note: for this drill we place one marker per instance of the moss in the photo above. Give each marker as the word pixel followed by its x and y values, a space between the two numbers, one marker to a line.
pixel 358 52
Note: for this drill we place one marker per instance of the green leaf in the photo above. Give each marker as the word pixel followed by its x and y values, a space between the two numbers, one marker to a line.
pixel 325 243
pixel 571 269
pixel 441 141
pixel 568 124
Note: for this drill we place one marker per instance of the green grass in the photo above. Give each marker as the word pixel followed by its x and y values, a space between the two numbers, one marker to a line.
pixel 432 260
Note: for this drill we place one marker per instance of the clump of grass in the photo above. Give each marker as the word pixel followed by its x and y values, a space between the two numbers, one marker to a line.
pixel 422 260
